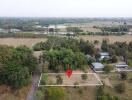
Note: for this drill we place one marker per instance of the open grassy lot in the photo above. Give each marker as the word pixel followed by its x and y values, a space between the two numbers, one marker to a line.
pixel 31 41
pixel 81 93
pixel 20 41
pixel 7 93
pixel 73 93
pixel 112 79
pixel 75 79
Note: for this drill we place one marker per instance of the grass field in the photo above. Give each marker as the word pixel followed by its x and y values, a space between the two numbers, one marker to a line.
pixel 6 93
pixel 112 39
pixel 20 41
pixel 112 79
pixel 31 41
pixel 50 78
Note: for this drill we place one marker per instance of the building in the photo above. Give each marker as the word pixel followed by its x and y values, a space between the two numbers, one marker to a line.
pixel 97 66
pixel 129 33
pixel 15 30
pixel 3 30
pixel 104 55
pixel 121 65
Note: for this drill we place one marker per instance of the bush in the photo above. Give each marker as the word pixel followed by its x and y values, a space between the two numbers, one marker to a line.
pixel 56 93
pixel 120 88
pixel 123 75
pixel 108 68
pixel 59 79
pixel 84 76
pixel 102 95
pixel 44 79
pixel 114 59
pixel 80 91
pixel 39 95
pixel 76 83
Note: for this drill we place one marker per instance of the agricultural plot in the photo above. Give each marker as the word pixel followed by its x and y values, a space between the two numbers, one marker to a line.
pixel 76 79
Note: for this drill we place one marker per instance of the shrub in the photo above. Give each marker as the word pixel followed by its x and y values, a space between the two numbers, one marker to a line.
pixel 76 83
pixel 123 75
pixel 39 95
pixel 44 79
pixel 84 76
pixel 80 91
pixel 56 93
pixel 114 59
pixel 120 88
pixel 59 79
pixel 108 68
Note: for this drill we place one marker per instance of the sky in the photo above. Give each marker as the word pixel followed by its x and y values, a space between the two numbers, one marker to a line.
pixel 65 8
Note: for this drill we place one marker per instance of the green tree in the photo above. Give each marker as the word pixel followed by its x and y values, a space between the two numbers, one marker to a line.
pixel 59 79
pixel 123 75
pixel 108 68
pixel 114 59
pixel 56 93
pixel 39 95
pixel 5 53
pixel 15 76
pixel 16 71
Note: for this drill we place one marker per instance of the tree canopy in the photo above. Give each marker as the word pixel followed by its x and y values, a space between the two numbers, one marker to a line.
pixel 17 65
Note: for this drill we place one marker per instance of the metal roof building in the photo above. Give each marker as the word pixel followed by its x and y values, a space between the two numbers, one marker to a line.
pixel 97 66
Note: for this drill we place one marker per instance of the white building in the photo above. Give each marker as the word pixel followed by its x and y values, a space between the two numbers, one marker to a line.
pixel 3 30
pixel 97 66
pixel 15 30
pixel 104 55
pixel 121 65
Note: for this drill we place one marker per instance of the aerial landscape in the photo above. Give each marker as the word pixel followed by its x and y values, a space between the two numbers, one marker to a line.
pixel 62 53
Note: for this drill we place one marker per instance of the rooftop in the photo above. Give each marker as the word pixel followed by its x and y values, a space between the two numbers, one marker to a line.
pixel 97 65
pixel 104 53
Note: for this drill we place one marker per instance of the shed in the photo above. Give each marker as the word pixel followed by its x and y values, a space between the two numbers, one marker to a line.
pixel 97 66
pixel 104 55
pixel 121 65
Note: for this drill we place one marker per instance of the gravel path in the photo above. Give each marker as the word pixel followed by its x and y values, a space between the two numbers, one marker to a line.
pixel 30 95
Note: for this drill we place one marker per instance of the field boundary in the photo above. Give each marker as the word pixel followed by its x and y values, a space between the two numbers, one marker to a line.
pixel 96 76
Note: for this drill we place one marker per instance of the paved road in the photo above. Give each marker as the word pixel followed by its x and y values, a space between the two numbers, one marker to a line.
pixel 35 80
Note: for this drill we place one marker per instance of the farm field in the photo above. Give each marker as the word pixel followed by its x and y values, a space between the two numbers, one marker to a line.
pixel 112 39
pixel 29 42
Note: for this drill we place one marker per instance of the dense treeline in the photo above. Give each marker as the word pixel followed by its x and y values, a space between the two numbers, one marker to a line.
pixel 69 43
pixel 22 35
pixel 119 49
pixel 16 65
pixel 62 52
pixel 102 33
pixel 115 29
pixel 64 58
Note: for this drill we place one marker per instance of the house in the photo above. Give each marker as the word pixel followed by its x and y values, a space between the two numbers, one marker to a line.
pixel 15 30
pixel 104 55
pixel 129 33
pixel 121 65
pixel 3 30
pixel 97 66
